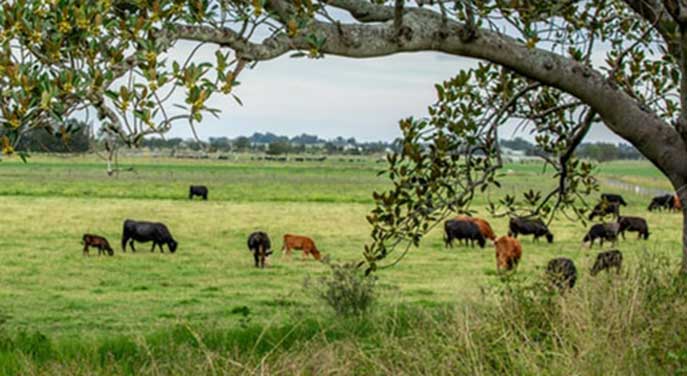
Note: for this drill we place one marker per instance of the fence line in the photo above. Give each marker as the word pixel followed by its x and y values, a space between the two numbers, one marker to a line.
pixel 636 189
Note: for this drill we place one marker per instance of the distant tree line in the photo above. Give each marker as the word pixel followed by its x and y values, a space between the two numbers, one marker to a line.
pixel 76 137
pixel 598 151
pixel 273 144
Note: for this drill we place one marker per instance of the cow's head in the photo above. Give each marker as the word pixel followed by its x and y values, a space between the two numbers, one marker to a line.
pixel 173 244
pixel 481 241
pixel 587 238
pixel 598 266
pixel 549 237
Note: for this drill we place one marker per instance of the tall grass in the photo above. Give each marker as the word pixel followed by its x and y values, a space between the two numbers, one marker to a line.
pixel 633 323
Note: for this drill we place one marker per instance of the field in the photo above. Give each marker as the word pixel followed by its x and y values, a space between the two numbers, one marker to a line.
pixel 48 287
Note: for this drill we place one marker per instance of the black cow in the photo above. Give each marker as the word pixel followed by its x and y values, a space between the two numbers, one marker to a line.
pixel 536 227
pixel 562 273
pixel 662 202
pixel 259 243
pixel 462 230
pixel 612 197
pixel 607 260
pixel 198 190
pixel 605 208
pixel 145 232
pixel 634 224
pixel 602 231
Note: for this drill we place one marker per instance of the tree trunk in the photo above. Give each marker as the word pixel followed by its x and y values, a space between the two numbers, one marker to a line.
pixel 682 194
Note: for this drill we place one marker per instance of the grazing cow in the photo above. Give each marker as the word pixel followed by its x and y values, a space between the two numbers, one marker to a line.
pixel 605 208
pixel 462 230
pixel 562 273
pixel 261 247
pixel 508 252
pixel 607 260
pixel 145 232
pixel 602 231
pixel 96 241
pixel 303 243
pixel 484 226
pixel 662 202
pixel 536 227
pixel 634 224
pixel 612 197
pixel 198 190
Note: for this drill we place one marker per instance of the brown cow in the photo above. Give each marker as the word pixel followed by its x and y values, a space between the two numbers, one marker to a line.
pixel 484 226
pixel 96 241
pixel 303 243
pixel 508 252
pixel 677 203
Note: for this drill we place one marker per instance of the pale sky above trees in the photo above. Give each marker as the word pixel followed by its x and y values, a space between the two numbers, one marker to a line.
pixel 290 96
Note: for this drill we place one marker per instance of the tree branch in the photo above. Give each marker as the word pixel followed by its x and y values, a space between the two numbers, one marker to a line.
pixel 623 114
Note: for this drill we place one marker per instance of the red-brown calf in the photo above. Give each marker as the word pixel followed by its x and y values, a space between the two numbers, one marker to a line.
pixel 508 252
pixel 90 240
pixel 303 243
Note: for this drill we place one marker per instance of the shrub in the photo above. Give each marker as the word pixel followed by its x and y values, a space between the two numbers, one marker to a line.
pixel 347 290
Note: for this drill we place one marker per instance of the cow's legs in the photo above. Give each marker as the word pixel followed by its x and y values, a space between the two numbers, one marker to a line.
pixel 257 258
pixel 85 249
pixel 131 243
pixel 153 248
pixel 261 255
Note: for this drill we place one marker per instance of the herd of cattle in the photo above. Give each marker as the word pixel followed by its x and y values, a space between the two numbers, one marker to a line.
pixel 561 271
pixel 465 229
pixel 143 232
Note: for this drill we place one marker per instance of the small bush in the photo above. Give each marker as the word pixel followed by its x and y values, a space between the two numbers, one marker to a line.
pixel 346 290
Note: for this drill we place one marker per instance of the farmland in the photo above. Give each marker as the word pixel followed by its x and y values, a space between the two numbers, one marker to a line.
pixel 47 286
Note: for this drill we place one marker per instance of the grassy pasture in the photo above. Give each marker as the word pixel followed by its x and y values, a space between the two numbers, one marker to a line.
pixel 47 204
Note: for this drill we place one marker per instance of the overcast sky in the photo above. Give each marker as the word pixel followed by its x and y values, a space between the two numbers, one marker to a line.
pixel 361 98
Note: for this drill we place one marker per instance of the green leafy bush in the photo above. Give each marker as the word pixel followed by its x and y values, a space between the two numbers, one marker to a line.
pixel 347 290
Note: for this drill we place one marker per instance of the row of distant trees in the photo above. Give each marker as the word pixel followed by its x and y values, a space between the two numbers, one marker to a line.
pixel 598 151
pixel 275 145
pixel 75 137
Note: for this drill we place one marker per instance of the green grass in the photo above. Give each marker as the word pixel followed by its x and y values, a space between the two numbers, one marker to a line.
pixel 46 285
